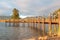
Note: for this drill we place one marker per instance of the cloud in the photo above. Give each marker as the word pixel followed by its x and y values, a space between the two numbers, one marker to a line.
pixel 45 9
pixel 30 7
pixel 1 11
pixel 5 5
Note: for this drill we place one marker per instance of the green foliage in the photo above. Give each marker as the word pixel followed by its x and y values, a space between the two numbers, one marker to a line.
pixel 15 14
pixel 55 14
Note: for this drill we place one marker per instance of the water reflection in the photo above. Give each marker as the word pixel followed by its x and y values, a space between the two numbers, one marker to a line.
pixel 17 33
pixel 21 31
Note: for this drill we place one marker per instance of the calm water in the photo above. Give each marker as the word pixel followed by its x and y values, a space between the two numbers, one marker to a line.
pixel 20 32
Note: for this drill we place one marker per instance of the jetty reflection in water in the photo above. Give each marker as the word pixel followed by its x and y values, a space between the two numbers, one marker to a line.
pixel 20 32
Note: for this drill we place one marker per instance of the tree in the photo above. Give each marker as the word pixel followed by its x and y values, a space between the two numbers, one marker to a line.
pixel 15 14
pixel 55 14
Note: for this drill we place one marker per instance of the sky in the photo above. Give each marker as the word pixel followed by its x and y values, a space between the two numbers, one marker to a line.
pixel 28 8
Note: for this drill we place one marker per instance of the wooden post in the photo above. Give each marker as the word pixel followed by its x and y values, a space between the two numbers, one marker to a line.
pixel 54 29
pixel 59 24
pixel 24 24
pixel 13 22
pixel 28 22
pixel 38 23
pixel 6 23
pixel 43 26
pixel 38 26
pixel 17 22
pixel 59 29
pixel 50 28
pixel 32 23
pixel 9 23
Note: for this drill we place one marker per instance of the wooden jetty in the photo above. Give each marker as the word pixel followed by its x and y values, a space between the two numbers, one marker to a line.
pixel 38 20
